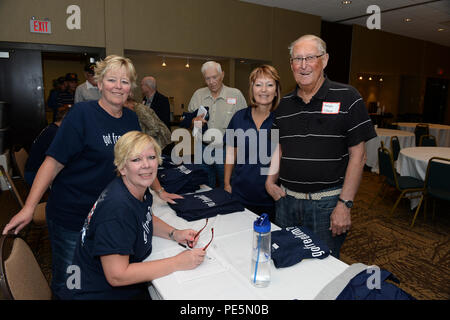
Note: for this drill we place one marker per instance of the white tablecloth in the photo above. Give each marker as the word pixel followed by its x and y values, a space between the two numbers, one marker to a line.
pixel 406 139
pixel 414 161
pixel 227 273
pixel 440 131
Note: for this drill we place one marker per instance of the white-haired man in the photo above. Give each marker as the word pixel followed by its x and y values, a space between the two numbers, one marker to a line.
pixel 223 102
pixel 323 126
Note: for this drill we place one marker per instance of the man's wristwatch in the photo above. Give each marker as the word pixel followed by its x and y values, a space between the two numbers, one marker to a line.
pixel 348 203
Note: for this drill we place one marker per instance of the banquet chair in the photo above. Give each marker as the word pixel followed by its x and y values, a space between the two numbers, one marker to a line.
pixel 404 184
pixel 395 146
pixel 427 140
pixel 437 184
pixel 39 212
pixel 420 130
pixel 21 277
pixel 20 159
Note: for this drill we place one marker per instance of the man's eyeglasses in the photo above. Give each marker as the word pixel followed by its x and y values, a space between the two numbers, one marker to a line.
pixel 308 59
pixel 190 244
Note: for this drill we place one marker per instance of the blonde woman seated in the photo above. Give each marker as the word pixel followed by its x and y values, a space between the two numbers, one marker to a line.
pixel 117 233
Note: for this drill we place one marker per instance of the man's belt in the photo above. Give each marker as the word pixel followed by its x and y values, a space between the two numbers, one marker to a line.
pixel 312 196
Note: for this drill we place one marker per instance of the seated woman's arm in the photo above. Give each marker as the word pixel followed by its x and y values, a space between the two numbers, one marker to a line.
pixel 119 272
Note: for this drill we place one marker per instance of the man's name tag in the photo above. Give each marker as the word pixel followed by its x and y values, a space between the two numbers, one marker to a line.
pixel 231 100
pixel 331 107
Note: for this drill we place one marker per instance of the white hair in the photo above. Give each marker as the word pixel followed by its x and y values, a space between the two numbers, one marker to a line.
pixel 211 64
pixel 321 45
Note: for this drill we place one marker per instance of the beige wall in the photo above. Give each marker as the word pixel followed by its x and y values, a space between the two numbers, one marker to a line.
pixel 404 63
pixel 15 16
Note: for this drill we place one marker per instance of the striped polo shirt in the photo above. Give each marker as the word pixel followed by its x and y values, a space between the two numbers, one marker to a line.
pixel 315 137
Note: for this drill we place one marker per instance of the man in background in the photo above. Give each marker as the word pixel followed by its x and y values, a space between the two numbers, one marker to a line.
pixel 223 102
pixel 88 90
pixel 155 100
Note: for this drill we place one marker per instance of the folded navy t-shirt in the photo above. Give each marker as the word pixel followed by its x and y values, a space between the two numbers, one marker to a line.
pixel 206 204
pixel 293 244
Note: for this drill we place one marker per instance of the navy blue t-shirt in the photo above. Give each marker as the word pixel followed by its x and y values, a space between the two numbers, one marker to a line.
pixel 117 224
pixel 84 144
pixel 248 182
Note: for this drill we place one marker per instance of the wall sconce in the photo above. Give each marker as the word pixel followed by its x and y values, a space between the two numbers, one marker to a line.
pixel 381 79
pixel 360 77
pixel 370 78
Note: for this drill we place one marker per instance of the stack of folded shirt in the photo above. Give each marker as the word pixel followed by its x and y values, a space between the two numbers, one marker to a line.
pixel 293 244
pixel 206 204
pixel 181 179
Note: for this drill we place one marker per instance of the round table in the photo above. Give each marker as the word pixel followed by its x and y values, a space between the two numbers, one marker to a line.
pixel 440 131
pixel 405 138
pixel 414 161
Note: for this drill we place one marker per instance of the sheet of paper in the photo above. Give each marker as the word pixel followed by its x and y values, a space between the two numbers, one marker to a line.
pixel 211 265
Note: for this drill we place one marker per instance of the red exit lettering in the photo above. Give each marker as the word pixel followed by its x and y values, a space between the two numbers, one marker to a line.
pixel 40 26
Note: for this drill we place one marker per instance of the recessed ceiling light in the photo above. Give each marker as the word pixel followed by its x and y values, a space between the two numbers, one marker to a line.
pixel 408 20
pixel 346 1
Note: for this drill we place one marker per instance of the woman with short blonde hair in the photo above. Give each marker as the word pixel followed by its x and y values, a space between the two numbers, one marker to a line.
pixel 117 233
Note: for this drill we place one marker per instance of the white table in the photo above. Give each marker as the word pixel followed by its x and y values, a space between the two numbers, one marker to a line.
pixel 227 272
pixel 440 131
pixel 406 139
pixel 414 161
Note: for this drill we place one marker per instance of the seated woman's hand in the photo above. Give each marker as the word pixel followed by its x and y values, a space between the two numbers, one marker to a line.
pixel 169 197
pixel 190 259
pixel 186 236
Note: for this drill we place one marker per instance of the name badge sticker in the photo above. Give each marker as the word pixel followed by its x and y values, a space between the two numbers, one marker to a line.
pixel 231 100
pixel 331 107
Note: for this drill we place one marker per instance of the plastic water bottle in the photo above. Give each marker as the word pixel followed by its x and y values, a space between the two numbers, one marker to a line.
pixel 260 271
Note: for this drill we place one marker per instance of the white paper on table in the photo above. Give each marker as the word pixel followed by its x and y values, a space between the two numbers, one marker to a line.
pixel 211 265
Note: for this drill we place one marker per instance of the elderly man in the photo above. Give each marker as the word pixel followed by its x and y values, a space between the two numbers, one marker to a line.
pixel 88 90
pixel 155 100
pixel 223 102
pixel 323 126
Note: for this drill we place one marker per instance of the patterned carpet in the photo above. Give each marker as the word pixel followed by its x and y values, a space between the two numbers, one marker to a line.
pixel 419 257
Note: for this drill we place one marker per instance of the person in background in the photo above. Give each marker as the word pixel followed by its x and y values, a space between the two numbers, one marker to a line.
pixel 66 98
pixel 151 124
pixel 155 100
pixel 40 146
pixel 59 85
pixel 79 164
pixel 88 90
pixel 246 179
pixel 117 233
pixel 223 103
pixel 323 126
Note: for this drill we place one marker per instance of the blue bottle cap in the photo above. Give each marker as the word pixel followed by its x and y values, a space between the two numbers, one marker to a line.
pixel 262 224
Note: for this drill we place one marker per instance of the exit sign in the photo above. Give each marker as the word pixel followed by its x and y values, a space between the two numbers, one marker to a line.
pixel 40 26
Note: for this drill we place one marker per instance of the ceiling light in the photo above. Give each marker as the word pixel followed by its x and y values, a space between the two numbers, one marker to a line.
pixel 346 1
pixel 408 20
pixel 381 79
pixel 187 63
pixel 360 78
pixel 440 29
pixel 370 78
pixel 164 62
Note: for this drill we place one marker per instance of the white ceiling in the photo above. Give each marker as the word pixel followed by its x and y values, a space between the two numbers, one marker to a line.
pixel 427 16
